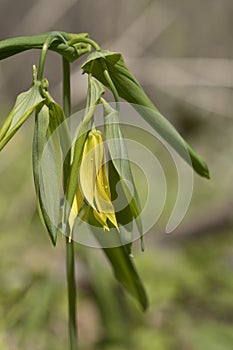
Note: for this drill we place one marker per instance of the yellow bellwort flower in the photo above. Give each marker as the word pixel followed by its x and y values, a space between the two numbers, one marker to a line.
pixel 93 182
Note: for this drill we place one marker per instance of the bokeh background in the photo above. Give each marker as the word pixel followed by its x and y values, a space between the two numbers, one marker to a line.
pixel 181 52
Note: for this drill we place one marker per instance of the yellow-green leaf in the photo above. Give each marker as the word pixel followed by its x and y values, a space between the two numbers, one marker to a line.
pixel 122 264
pixel 25 104
pixel 47 172
pixel 119 157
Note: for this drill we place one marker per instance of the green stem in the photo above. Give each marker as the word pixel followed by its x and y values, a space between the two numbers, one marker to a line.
pixel 70 266
pixel 85 40
pixel 111 84
pixel 51 37
pixel 66 88
pixel 70 270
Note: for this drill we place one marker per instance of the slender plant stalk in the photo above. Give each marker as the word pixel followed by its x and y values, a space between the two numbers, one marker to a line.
pixel 85 40
pixel 66 88
pixel 52 36
pixel 70 263
pixel 70 270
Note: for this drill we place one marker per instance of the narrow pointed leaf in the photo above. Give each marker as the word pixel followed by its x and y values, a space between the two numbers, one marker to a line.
pixel 126 273
pixel 119 157
pixel 59 130
pixel 95 91
pixel 25 104
pixel 47 173
pixel 129 89
pixel 50 190
pixel 122 209
pixel 122 264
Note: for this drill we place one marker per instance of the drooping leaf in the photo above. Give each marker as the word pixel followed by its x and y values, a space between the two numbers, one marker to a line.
pixel 95 91
pixel 47 176
pixel 119 157
pixel 39 140
pixel 93 63
pixel 126 273
pixel 50 189
pixel 60 137
pixel 130 90
pixel 25 104
pixel 123 212
pixel 122 263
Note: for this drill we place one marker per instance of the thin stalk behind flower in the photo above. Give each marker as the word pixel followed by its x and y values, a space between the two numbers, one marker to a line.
pixel 70 255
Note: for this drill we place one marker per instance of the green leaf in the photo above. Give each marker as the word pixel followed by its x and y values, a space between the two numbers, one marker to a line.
pixel 13 46
pixel 95 91
pixel 120 259
pixel 25 104
pixel 47 182
pixel 122 209
pixel 129 89
pixel 93 63
pixel 119 156
pixel 122 263
pixel 126 273
pixel 59 130
pixel 39 140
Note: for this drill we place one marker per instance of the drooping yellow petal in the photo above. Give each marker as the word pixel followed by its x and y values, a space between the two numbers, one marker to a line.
pixel 103 196
pixel 91 159
pixel 101 218
pixel 78 201
pixel 76 206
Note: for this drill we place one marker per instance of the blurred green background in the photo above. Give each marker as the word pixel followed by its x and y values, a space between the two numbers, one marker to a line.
pixel 181 51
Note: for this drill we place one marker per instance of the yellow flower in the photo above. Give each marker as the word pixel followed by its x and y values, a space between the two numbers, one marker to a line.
pixel 93 182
